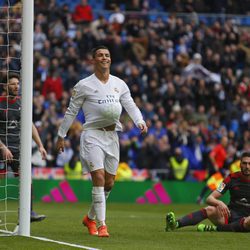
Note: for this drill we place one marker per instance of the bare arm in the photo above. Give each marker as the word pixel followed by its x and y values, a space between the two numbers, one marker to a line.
pixel 213 200
pixel 37 139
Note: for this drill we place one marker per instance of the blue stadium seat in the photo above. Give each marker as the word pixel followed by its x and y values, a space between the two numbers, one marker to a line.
pixel 97 4
pixel 6 2
pixel 245 21
pixel 70 3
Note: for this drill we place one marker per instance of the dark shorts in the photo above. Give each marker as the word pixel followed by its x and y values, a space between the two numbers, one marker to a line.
pixel 235 216
pixel 14 165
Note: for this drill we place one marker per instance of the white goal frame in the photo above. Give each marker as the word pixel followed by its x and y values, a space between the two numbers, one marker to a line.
pixel 26 116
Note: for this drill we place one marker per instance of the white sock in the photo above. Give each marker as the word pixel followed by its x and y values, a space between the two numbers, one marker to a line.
pixel 106 194
pixel 99 204
pixel 91 212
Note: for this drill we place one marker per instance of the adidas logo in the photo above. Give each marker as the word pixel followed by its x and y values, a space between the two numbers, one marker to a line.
pixel 61 194
pixel 156 195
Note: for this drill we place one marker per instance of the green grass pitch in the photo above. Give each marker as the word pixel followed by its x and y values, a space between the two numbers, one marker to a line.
pixel 131 226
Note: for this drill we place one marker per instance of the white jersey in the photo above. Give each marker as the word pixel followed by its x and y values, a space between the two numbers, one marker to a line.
pixel 101 104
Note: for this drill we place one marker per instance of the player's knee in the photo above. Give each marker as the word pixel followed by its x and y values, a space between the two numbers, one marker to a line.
pixel 109 182
pixel 108 185
pixel 98 178
pixel 247 223
pixel 211 210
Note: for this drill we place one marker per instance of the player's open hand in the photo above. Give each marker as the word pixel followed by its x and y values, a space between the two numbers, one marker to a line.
pixel 223 209
pixel 60 145
pixel 7 154
pixel 143 128
pixel 43 152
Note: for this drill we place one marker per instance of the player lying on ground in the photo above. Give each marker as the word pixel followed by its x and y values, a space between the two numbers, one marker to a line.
pixel 232 218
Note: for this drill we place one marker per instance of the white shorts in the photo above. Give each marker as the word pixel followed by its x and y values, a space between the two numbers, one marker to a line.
pixel 99 150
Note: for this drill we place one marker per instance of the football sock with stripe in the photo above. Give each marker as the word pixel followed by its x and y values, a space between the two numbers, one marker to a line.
pixel 99 203
pixel 192 218
pixel 91 212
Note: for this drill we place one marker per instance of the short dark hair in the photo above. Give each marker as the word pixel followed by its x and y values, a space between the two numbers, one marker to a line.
pixel 245 154
pixel 13 75
pixel 93 51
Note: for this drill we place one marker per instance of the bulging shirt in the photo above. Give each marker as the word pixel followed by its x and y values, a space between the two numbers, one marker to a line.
pixel 101 104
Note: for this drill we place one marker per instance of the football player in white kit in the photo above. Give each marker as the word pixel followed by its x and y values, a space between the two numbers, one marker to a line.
pixel 101 97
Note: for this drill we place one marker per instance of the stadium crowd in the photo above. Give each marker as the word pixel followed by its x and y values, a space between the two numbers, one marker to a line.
pixel 190 80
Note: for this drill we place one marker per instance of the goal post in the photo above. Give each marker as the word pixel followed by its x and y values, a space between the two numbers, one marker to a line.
pixel 26 116
pixel 16 45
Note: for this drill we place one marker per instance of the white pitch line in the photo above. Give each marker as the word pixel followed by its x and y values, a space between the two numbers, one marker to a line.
pixel 63 243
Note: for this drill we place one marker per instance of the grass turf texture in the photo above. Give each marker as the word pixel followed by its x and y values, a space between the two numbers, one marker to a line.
pixel 131 226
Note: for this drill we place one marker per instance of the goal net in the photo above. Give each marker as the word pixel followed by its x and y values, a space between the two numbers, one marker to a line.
pixel 11 62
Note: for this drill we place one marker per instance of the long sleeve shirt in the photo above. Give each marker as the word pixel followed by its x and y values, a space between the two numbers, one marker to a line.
pixel 101 104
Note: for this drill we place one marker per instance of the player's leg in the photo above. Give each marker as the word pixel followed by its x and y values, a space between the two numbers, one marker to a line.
pixel 98 195
pixel 92 159
pixel 109 182
pixel 235 223
pixel 97 156
pixel 34 217
pixel 237 226
pixel 187 220
pixel 215 217
pixel 92 215
pixel 110 166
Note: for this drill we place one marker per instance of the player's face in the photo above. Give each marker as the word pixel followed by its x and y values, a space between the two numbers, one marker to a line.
pixel 245 166
pixel 13 87
pixel 102 59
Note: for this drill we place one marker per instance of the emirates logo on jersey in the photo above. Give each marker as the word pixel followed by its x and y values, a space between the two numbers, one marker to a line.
pixel 116 90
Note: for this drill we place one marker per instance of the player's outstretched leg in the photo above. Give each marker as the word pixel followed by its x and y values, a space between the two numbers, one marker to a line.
pixel 171 223
pixel 90 224
pixel 206 228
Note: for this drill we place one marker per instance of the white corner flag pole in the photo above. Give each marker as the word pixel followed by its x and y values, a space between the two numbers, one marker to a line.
pixel 26 117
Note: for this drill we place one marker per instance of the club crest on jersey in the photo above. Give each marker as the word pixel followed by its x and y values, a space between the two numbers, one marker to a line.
pixel 73 92
pixel 116 90
pixel 221 187
pixel 91 165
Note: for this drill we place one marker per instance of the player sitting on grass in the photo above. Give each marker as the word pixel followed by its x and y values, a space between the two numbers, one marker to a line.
pixel 232 218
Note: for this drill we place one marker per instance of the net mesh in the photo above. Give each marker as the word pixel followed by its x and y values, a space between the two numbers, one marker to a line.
pixel 10 62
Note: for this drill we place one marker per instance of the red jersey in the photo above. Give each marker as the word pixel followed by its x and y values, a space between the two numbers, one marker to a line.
pixel 83 13
pixel 219 154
